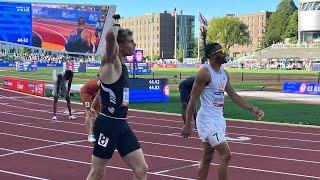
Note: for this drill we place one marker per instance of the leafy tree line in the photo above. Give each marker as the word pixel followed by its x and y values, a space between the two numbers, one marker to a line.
pixel 282 24
pixel 229 30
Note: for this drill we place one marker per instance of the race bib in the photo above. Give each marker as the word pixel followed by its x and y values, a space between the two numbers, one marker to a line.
pixel 218 99
pixel 103 140
pixel 87 104
pixel 125 101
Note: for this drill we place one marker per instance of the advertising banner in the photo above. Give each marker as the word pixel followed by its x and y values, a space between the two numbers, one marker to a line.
pixel 26 66
pixel 7 64
pixel 138 68
pixel 301 88
pixel 9 83
pixel 164 65
pixel 49 64
pixel 35 88
pixel 24 85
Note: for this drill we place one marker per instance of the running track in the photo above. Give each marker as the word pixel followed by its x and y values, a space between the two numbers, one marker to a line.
pixel 34 147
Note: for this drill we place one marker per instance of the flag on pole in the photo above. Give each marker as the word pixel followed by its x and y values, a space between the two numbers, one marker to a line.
pixel 174 12
pixel 203 21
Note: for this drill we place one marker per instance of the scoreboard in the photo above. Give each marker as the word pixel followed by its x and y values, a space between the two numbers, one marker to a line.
pixel 16 23
pixel 149 90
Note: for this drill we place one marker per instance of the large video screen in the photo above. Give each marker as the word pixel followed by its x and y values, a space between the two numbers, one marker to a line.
pixel 71 28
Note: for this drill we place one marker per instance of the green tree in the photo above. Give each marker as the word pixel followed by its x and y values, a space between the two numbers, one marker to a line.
pixel 292 28
pixel 278 23
pixel 228 31
pixel 195 48
pixel 155 57
pixel 179 54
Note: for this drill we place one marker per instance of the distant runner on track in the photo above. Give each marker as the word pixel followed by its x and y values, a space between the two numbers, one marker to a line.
pixel 61 87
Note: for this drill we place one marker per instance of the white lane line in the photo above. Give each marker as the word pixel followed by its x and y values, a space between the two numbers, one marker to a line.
pixel 89 163
pixel 180 122
pixel 247 135
pixel 16 97
pixel 8 154
pixel 36 139
pixel 146 132
pixel 180 127
pixel 158 173
pixel 236 127
pixel 37 148
pixel 160 134
pixel 177 168
pixel 23 175
pixel 172 127
pixel 61 112
pixel 188 147
pixel 169 145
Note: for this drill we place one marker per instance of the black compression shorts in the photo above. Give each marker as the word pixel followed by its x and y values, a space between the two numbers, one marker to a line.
pixel 113 134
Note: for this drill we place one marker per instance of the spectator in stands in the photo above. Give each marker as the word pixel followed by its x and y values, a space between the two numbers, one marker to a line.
pixel 61 88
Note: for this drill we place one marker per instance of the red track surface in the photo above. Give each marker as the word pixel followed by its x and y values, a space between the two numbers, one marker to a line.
pixel 34 147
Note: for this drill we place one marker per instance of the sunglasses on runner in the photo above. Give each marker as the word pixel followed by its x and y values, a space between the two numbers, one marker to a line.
pixel 222 51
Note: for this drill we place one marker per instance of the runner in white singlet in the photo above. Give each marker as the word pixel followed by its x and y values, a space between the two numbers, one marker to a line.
pixel 210 83
pixel 210 115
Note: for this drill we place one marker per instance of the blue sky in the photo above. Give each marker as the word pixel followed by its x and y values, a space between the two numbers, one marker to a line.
pixel 209 8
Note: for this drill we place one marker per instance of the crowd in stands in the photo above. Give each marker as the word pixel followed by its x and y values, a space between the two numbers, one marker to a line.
pixel 73 7
pixel 275 64
pixel 52 57
pixel 45 57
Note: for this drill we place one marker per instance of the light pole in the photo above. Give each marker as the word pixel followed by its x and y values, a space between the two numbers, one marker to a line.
pixel 175 34
pixel 151 22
